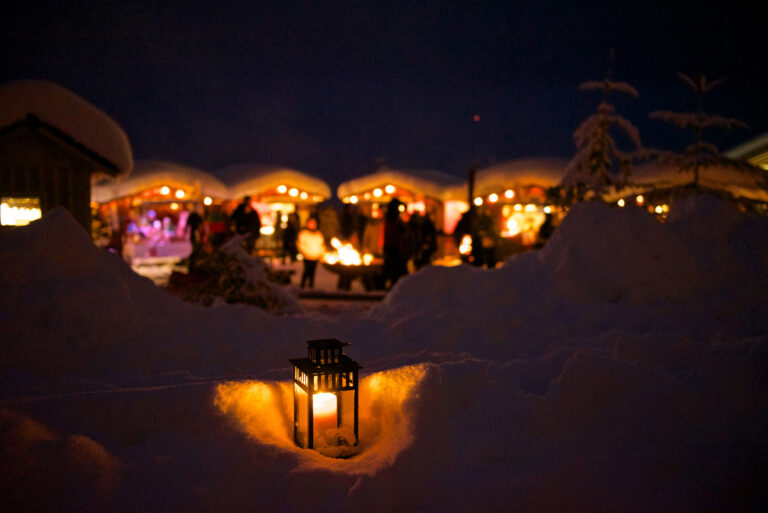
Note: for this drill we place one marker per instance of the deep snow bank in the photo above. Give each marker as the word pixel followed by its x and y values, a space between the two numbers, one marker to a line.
pixel 604 271
pixel 620 369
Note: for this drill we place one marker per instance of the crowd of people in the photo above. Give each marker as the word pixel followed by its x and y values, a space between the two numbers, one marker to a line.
pixel 403 241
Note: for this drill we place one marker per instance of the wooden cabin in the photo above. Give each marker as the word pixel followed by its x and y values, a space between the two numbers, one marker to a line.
pixel 43 163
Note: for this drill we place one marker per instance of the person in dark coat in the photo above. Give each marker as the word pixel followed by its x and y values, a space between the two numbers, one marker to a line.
pixel 290 234
pixel 395 244
pixel 238 217
pixel 252 227
pixel 423 237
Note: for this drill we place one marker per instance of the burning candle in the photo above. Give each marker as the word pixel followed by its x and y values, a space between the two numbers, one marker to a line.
pixel 324 412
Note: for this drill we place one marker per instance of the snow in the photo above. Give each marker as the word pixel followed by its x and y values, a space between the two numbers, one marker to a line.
pixel 68 112
pixel 154 173
pixel 431 183
pixel 620 368
pixel 251 179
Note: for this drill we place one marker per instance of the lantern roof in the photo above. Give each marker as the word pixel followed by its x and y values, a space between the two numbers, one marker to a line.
pixel 325 355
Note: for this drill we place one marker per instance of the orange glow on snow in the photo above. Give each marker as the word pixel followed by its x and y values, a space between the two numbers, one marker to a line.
pixel 388 402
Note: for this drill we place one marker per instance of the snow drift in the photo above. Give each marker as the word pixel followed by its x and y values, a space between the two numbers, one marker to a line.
pixel 621 368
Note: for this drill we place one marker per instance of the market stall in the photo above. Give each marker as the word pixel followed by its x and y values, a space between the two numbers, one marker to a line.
pixel 284 198
pixel 514 195
pixel 144 216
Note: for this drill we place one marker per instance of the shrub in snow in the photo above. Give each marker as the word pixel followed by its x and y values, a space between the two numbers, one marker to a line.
pixel 230 275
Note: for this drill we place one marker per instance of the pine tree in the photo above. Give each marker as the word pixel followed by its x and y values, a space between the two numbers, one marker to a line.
pixel 700 154
pixel 599 163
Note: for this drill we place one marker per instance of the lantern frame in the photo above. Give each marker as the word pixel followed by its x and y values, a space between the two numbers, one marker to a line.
pixel 326 369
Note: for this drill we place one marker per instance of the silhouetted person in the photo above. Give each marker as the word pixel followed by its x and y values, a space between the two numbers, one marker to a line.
pixel 216 226
pixel 289 236
pixel 423 237
pixel 483 239
pixel 395 244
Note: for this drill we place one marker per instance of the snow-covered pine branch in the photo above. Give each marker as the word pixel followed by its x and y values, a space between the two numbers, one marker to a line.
pixel 599 163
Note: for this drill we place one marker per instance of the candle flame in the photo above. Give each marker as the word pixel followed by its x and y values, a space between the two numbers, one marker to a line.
pixel 324 403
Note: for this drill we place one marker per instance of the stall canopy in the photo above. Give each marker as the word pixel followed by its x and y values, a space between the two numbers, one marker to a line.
pixel 151 174
pixel 424 190
pixel 656 178
pixel 267 184
pixel 426 182
pixel 519 174
pixel 754 151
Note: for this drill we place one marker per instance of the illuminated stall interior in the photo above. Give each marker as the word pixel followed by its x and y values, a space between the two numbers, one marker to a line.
pixel 515 195
pixel 276 193
pixel 149 209
pixel 425 191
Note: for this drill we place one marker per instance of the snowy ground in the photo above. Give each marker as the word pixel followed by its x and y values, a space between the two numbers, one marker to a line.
pixel 620 368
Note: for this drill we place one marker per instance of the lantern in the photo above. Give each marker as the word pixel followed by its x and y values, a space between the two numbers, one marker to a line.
pixel 325 397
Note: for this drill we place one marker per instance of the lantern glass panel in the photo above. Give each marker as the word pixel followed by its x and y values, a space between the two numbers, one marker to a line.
pixel 302 430
pixel 347 400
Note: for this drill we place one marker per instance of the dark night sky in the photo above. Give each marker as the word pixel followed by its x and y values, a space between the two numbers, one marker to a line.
pixel 333 88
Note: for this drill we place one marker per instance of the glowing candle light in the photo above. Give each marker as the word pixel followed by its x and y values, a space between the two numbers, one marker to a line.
pixel 324 412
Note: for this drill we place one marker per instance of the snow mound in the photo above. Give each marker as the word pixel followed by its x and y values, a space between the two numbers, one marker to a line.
pixel 604 270
pixel 69 113
pixel 621 368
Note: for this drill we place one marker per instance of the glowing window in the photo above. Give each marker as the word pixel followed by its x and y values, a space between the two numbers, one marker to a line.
pixel 19 211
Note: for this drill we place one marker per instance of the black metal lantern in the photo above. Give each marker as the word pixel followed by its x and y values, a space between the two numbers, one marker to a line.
pixel 325 396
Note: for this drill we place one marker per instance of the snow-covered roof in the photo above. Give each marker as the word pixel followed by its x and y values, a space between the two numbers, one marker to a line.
pixel 431 183
pixel 741 184
pixel 69 113
pixel 540 171
pixel 251 179
pixel 755 151
pixel 153 173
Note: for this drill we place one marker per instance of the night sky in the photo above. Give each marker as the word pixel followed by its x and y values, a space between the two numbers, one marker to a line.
pixel 337 88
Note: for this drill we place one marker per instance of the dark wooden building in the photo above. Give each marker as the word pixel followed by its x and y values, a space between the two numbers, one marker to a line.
pixel 53 145
pixel 41 165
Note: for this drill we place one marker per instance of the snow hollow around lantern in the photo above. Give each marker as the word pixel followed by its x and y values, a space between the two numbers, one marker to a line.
pixel 620 368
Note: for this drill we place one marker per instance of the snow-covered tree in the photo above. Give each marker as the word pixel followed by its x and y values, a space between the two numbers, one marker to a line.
pixel 700 154
pixel 599 163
